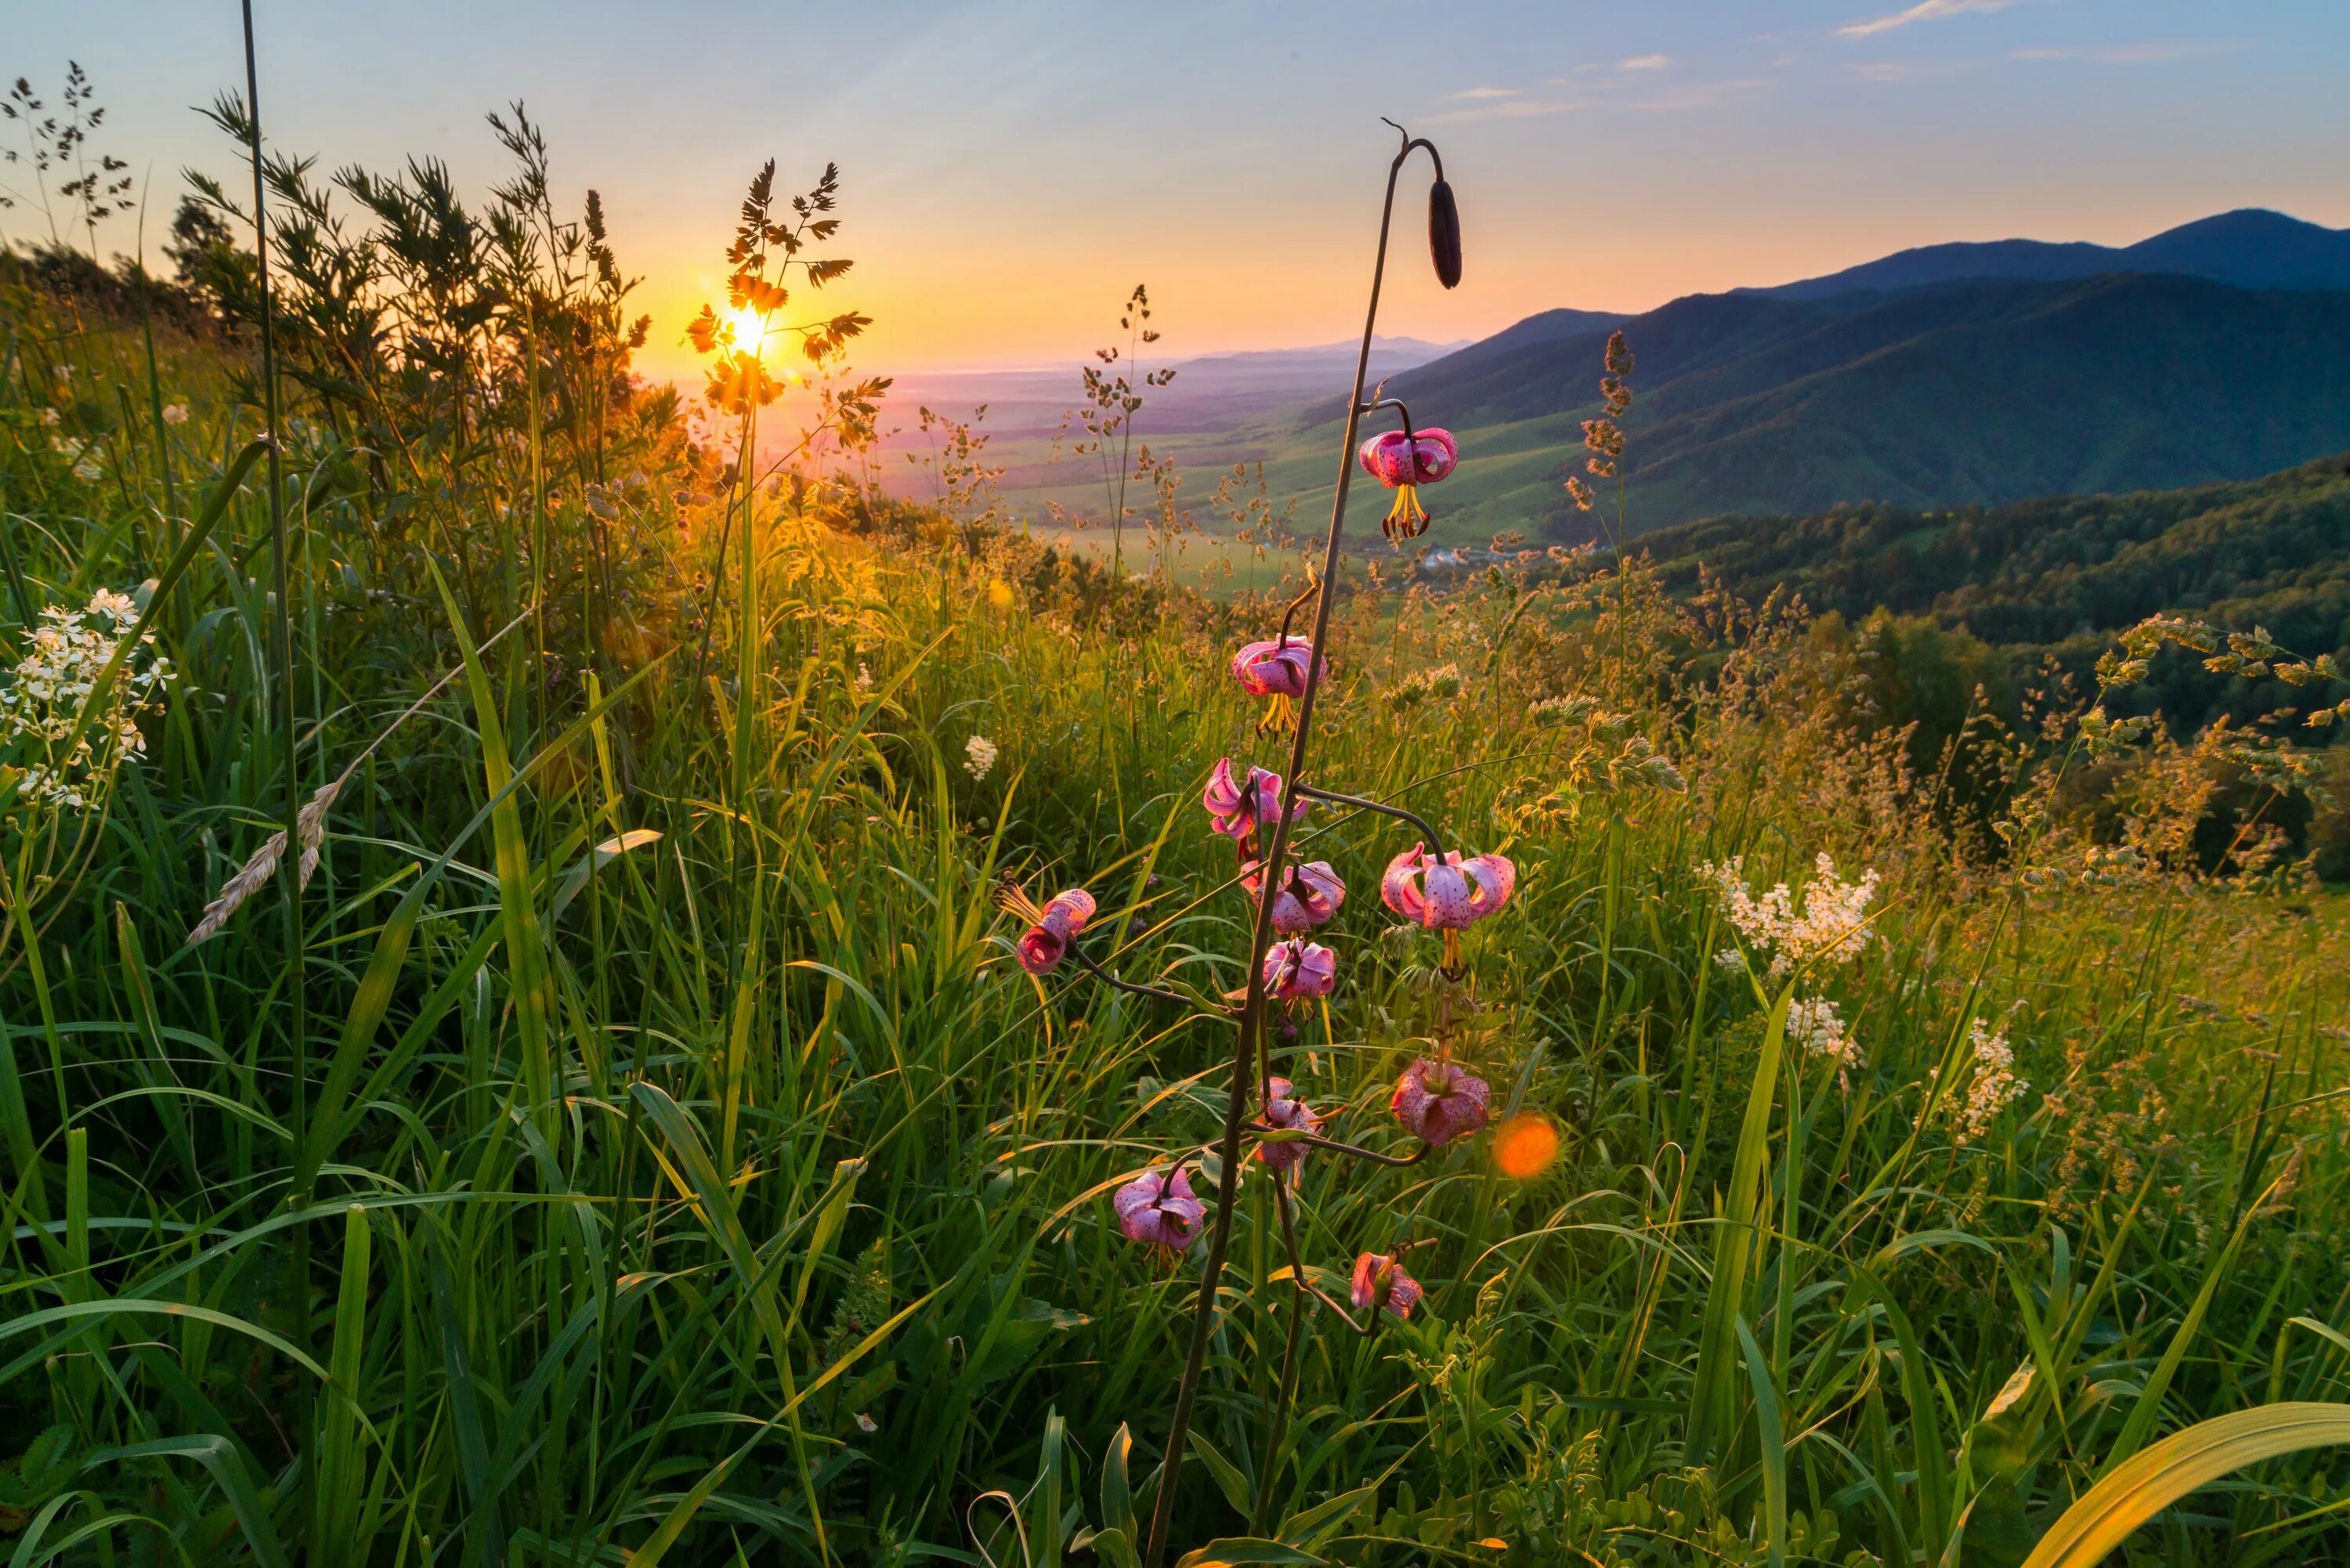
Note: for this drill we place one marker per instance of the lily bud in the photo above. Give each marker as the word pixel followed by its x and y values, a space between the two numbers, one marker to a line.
pixel 1444 233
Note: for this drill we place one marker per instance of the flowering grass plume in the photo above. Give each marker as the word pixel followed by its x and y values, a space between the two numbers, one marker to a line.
pixel 310 822
pixel 978 757
pixel 1815 1025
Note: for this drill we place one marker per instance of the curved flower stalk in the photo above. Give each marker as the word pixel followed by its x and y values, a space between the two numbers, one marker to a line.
pixel 1403 461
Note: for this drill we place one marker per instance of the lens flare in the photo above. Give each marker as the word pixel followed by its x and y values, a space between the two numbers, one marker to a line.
pixel 1524 1145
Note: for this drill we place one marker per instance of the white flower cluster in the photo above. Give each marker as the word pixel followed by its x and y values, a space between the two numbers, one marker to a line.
pixel 1815 1025
pixel 78 452
pixel 1993 1086
pixel 40 708
pixel 1830 924
pixel 978 757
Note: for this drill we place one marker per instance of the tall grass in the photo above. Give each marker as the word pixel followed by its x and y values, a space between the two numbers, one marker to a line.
pixel 689 1173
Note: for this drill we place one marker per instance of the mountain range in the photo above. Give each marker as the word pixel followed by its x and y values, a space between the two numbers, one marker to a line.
pixel 1953 375
pixel 1958 375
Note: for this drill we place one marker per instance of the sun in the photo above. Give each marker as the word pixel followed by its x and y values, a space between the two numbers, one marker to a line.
pixel 749 331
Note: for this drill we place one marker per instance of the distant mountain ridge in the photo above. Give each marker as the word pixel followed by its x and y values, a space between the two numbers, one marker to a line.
pixel 2251 247
pixel 2218 350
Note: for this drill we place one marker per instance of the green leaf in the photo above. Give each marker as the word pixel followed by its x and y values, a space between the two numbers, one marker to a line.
pixel 1229 1479
pixel 1235 1549
pixel 2149 1482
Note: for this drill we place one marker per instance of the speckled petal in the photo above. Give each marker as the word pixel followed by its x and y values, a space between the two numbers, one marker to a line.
pixel 1400 889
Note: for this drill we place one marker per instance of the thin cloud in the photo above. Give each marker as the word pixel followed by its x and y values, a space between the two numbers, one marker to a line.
pixel 1645 63
pixel 2133 54
pixel 1924 11
pixel 1704 95
pixel 1487 92
pixel 1503 109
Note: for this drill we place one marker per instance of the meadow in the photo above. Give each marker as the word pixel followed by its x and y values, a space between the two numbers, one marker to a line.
pixel 626 1130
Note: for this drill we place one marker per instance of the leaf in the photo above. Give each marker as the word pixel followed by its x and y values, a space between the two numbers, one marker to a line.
pixel 2150 1482
pixel 1304 1529
pixel 1229 1479
pixel 1244 1548
pixel 219 1456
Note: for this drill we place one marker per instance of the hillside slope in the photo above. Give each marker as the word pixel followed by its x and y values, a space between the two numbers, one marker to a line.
pixel 2065 574
pixel 1959 394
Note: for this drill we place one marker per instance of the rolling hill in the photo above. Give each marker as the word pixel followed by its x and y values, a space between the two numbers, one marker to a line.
pixel 1969 393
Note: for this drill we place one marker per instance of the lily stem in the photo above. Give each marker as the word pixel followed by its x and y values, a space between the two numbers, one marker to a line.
pixel 1335 798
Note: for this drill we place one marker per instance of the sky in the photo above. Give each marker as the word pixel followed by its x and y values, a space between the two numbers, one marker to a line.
pixel 1012 168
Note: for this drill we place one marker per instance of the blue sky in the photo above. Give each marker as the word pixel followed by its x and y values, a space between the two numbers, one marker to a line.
pixel 1012 167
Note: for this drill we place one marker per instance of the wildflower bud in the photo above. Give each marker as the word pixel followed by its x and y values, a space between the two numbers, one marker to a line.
pixel 1439 1101
pixel 1380 1285
pixel 1444 233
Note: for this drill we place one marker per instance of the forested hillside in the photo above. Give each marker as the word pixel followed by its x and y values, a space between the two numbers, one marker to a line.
pixel 2064 574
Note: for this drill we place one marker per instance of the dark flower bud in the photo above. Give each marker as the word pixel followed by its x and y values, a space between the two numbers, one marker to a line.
pixel 1444 233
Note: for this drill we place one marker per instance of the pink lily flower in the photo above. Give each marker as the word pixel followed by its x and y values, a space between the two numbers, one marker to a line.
pixel 1157 1207
pixel 1298 968
pixel 1403 463
pixel 1238 810
pixel 1448 895
pixel 1281 1110
pixel 1310 894
pixel 1052 928
pixel 1278 669
pixel 1380 1284
pixel 1439 1101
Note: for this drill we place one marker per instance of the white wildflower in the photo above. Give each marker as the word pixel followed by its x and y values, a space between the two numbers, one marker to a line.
pixel 1815 1025
pixel 42 706
pixel 50 416
pixel 978 757
pixel 864 676
pixel 1828 923
pixel 1990 1089
pixel 175 413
